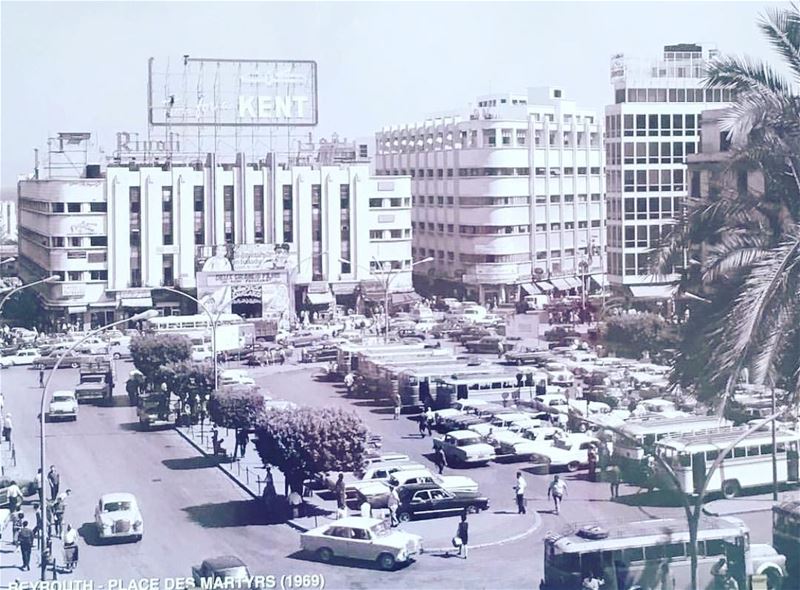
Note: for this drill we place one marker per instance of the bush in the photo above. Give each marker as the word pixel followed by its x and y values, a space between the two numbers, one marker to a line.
pixel 150 352
pixel 236 408
pixel 632 334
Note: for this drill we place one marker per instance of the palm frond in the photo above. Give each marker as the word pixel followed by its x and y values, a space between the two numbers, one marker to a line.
pixel 722 267
pixel 782 29
pixel 745 75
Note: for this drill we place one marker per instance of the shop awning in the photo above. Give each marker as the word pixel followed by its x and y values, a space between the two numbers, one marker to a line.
pixel 652 291
pixel 404 298
pixel 573 282
pixel 137 302
pixel 103 302
pixel 343 288
pixel 600 281
pixel 531 289
pixel 561 284
pixel 544 286
pixel 320 298
pixel 76 309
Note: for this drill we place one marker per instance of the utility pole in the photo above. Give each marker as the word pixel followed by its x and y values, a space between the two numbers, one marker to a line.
pixel 774 454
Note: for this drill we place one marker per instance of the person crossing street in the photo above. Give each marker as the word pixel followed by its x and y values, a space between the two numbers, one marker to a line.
pixel 519 490
pixel 557 491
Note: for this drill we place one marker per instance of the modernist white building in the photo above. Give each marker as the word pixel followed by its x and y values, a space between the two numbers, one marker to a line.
pixel 651 128
pixel 143 225
pixel 508 196
pixel 8 220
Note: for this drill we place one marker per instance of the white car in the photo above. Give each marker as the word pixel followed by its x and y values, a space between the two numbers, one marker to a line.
pixel 513 446
pixel 570 453
pixel 63 404
pixel 451 483
pixel 26 356
pixel 464 447
pixel 117 515
pixel 357 537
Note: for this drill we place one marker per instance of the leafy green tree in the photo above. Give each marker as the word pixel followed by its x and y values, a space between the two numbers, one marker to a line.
pixel 237 408
pixel 150 352
pixel 191 381
pixel 632 334
pixel 305 441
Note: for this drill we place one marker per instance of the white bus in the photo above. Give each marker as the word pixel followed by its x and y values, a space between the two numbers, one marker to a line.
pixel 747 465
pixel 655 553
pixel 648 430
pixel 786 535
pixel 347 355
pixel 232 331
pixel 421 383
pixel 491 387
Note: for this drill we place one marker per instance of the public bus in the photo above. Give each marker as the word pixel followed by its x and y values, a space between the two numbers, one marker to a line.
pixel 347 355
pixel 421 383
pixel 786 535
pixel 747 465
pixel 492 387
pixel 655 553
pixel 629 454
pixel 232 331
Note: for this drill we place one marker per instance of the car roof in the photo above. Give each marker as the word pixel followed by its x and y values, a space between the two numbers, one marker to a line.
pixel 459 434
pixel 64 392
pixel 223 562
pixel 118 497
pixel 356 521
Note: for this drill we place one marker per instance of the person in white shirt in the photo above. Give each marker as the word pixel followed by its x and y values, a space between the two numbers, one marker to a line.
pixel 520 493
pixel 366 509
pixel 557 489
pixel 70 539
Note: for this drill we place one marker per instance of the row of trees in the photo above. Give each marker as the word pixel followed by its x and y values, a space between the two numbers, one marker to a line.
pixel 300 442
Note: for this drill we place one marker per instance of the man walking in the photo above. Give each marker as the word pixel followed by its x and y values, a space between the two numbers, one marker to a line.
pixel 25 538
pixel 592 460
pixel 438 459
pixel 430 420
pixel 339 490
pixel 463 535
pixel 7 428
pixel 613 481
pixel 54 479
pixel 520 493
pixel 557 490
pixel 422 425
pixel 41 377
pixel 393 503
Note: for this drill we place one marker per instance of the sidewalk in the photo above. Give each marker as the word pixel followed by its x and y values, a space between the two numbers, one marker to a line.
pixel 748 504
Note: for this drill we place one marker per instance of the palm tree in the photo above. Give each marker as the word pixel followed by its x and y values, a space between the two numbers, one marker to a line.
pixel 749 244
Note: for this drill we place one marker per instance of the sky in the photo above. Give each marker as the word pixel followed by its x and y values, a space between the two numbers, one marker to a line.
pixel 82 66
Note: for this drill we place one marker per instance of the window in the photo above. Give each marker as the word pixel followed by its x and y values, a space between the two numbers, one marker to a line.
pixel 74 275
pixel 376 203
pixel 229 229
pixel 57 242
pixel 166 214
pixel 58 207
pixel 97 207
pixel 98 241
pixel 288 213
pixel 199 215
pixel 76 242
pixel 258 210
pixel 73 207
pixel 98 275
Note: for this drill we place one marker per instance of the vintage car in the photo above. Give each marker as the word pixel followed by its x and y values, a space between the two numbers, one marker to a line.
pixel 488 345
pixel 63 405
pixel 431 499
pixel 451 483
pixel 48 361
pixel 462 422
pixel 512 446
pixel 366 539
pixel 523 355
pixel 226 568
pixel 570 453
pixel 25 356
pixel 117 515
pixel 464 447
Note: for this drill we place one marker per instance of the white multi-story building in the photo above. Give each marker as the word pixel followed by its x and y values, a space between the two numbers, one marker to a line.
pixel 142 225
pixel 508 197
pixel 653 125
pixel 8 220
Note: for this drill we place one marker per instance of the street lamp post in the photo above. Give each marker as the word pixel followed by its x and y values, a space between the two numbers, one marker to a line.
pixel 388 276
pixel 212 318
pixel 42 462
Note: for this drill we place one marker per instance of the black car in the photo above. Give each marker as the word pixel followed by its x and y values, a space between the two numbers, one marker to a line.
pixel 431 499
pixel 524 355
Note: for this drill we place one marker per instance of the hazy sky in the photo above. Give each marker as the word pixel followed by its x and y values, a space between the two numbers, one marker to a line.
pixel 82 66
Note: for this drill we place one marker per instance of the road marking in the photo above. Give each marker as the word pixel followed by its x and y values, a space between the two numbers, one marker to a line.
pixel 536 524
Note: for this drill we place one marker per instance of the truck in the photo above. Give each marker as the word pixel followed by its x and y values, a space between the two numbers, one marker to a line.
pixel 266 329
pixel 96 379
pixel 155 408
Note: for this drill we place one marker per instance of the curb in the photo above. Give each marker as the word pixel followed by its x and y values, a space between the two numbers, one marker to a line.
pixel 734 513
pixel 536 524
pixel 232 477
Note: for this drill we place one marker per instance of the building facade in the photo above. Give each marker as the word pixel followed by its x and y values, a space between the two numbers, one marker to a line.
pixel 8 220
pixel 651 129
pixel 116 239
pixel 508 198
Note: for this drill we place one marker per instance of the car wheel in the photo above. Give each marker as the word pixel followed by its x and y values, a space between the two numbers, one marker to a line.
pixel 403 516
pixel 573 466
pixel 73 365
pixel 472 509
pixel 774 579
pixel 386 561
pixel 731 489
pixel 324 554
pixel 116 356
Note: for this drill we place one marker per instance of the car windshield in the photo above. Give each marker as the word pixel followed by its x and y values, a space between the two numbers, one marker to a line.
pixel 62 398
pixel 382 529
pixel 465 442
pixel 232 573
pixel 117 506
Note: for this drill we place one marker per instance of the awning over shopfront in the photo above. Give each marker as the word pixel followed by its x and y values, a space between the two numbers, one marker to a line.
pixel 137 302
pixel 544 286
pixel 76 309
pixel 103 302
pixel 320 298
pixel 343 288
pixel 531 289
pixel 600 281
pixel 573 282
pixel 373 291
pixel 404 298
pixel 561 284
pixel 652 291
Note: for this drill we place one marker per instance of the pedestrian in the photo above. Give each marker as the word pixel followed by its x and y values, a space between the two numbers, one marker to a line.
pixel 341 495
pixel 397 409
pixel 58 509
pixel 281 357
pixel 242 442
pixel 592 461
pixel 422 425
pixel 37 530
pixel 556 491
pixel 17 518
pixel 393 503
pixel 519 490
pixel 438 459
pixel 296 502
pixel 366 509
pixel 462 534
pixel 2 404
pixel 349 381
pixel 500 350
pixel 25 539
pixel 41 377
pixel 430 420
pixel 54 479
pixel 7 428
pixel 613 481
pixel 70 540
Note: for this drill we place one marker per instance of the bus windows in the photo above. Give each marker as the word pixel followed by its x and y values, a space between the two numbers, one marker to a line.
pixel 766 449
pixel 673 550
pixel 711 455
pixel 739 452
pixel 654 552
pixel 684 459
pixel 781 448
pixel 753 451
pixel 632 554
pixel 712 547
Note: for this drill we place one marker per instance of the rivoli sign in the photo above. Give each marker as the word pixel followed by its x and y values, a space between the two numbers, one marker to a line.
pixel 201 92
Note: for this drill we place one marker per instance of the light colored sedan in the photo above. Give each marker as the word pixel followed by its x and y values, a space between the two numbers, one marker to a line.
pixel 451 483
pixel 366 539
pixel 64 405
pixel 117 515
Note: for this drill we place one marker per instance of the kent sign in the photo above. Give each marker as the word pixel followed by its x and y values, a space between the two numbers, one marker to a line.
pixel 202 92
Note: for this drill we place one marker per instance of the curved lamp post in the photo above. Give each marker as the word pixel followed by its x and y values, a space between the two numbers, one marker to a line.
pixel 42 496
pixel 214 319
pixel 49 279
pixel 387 276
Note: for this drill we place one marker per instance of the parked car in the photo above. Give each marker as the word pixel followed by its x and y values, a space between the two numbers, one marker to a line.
pixel 228 569
pixel 431 499
pixel 464 447
pixel 451 483
pixel 71 360
pixel 523 355
pixel 512 445
pixel 304 338
pixel 24 356
pixel 462 422
pixel 570 453
pixel 366 539
pixel 117 515
pixel 63 405
pixel 385 458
